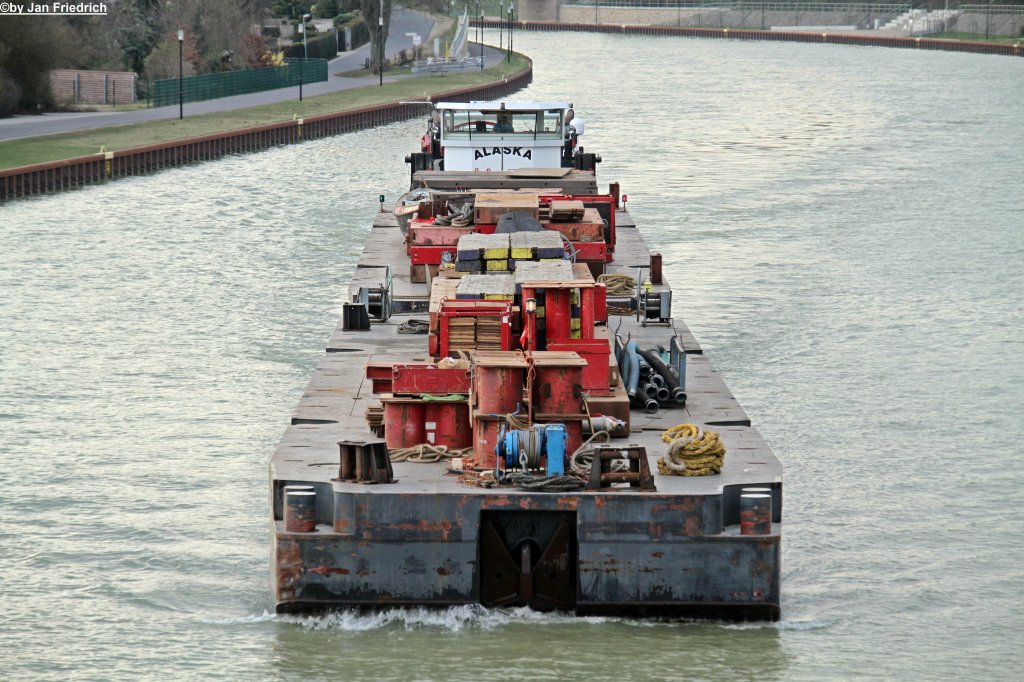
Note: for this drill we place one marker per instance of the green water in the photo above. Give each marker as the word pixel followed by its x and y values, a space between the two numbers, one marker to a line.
pixel 843 228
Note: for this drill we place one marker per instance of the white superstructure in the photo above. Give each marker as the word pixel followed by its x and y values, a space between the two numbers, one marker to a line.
pixel 502 136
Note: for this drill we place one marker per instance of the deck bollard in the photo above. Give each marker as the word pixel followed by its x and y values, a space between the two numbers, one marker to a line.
pixel 755 514
pixel 300 511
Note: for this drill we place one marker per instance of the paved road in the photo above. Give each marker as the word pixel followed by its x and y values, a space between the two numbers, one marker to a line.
pixel 402 21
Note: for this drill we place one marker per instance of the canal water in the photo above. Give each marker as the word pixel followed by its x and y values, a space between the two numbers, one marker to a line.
pixel 843 227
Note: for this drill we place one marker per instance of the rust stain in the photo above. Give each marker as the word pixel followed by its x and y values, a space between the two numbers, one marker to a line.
pixel 568 503
pixel 657 555
pixel 324 570
pixel 688 504
pixel 289 569
pixel 444 527
pixel 692 527
pixel 600 501
pixel 441 570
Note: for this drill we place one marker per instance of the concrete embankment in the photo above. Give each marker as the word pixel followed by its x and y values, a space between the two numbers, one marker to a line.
pixel 1000 20
pixel 839 38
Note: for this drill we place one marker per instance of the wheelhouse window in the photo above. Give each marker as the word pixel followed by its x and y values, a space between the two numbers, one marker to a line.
pixel 470 124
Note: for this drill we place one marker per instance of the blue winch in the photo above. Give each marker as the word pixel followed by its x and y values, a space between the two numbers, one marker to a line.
pixel 529 449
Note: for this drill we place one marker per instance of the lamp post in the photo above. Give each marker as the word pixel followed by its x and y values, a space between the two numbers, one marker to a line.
pixel 305 53
pixel 480 12
pixel 380 42
pixel 509 58
pixel 181 82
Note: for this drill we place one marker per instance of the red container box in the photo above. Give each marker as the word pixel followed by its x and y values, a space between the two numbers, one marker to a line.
pixel 426 379
pixel 591 251
pixel 429 255
pixel 447 423
pixel 485 438
pixel 558 387
pixel 498 379
pixel 596 353
pixel 404 423
pixel 380 374
pixel 409 422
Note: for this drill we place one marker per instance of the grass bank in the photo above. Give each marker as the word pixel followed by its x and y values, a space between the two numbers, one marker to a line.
pixel 59 146
pixel 976 37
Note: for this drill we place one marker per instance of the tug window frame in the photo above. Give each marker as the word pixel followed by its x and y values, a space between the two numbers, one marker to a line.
pixel 537 124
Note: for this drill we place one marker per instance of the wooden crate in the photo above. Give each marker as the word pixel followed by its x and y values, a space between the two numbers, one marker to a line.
pixel 490 206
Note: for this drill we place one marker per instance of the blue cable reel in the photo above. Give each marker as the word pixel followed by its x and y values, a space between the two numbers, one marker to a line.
pixel 524 449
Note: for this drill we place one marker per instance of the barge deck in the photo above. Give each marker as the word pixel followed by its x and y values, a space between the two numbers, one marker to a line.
pixel 428 539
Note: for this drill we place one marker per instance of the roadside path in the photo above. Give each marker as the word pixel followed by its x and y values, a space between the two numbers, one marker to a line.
pixel 402 21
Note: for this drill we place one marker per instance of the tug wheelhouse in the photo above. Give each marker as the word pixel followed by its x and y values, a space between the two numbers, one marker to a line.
pixel 500 136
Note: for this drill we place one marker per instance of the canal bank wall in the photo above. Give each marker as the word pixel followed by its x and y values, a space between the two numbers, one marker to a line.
pixel 42 178
pixel 1000 20
pixel 838 38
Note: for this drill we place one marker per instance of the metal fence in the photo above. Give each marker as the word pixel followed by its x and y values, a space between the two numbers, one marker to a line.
pixel 803 6
pixel 920 17
pixel 749 5
pixel 229 83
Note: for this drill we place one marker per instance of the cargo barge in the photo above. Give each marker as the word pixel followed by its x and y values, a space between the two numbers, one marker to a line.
pixel 508 414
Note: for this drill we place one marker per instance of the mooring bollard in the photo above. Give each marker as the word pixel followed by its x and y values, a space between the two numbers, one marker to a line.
pixel 295 487
pixel 755 514
pixel 300 511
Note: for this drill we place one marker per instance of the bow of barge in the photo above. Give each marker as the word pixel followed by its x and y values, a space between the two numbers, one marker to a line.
pixel 548 359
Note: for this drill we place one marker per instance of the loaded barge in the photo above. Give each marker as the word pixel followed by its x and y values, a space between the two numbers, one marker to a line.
pixel 509 415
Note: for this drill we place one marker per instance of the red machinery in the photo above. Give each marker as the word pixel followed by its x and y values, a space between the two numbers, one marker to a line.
pixel 566 332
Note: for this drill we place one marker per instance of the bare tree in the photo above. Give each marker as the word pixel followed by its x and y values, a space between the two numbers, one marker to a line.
pixel 371 14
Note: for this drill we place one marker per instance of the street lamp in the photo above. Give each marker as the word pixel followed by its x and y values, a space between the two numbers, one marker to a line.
pixel 481 13
pixel 501 26
pixel 181 83
pixel 511 18
pixel 305 52
pixel 380 42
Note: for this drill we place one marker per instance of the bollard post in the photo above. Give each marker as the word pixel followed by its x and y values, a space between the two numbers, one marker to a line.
pixel 755 514
pixel 300 511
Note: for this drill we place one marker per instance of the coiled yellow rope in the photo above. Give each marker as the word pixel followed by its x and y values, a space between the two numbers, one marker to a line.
pixel 426 453
pixel 691 452
pixel 618 284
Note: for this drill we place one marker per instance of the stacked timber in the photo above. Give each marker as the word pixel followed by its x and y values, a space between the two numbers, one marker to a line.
pixel 503 253
pixel 494 287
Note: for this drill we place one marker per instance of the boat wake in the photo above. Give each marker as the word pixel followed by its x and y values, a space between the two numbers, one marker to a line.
pixel 477 617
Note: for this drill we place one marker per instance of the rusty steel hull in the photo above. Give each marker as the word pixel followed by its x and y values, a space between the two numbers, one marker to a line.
pixel 637 555
pixel 429 540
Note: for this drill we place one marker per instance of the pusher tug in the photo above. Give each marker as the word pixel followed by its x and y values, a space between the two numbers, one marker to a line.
pixel 508 414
